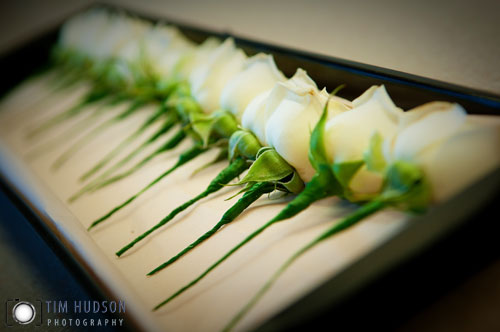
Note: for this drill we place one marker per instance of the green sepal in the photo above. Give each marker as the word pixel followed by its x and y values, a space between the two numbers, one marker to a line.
pixel 166 87
pixel 317 152
pixel 220 123
pixel 262 150
pixel 202 125
pixel 406 187
pixel 344 172
pixel 325 181
pixel 244 190
pixel 225 123
pixel 182 89
pixel 60 55
pixel 294 185
pixel 180 99
pixel 243 143
pixel 186 106
pixel 145 73
pixel 114 73
pixel 269 166
pixel 374 157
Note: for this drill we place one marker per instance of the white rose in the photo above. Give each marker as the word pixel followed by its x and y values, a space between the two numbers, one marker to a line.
pixel 118 32
pixel 260 109
pixel 83 30
pixel 167 64
pixel 71 34
pixel 254 116
pixel 285 117
pixel 163 47
pixel 159 39
pixel 259 74
pixel 209 78
pixel 131 49
pixel 423 126
pixel 454 150
pixel 347 136
pixel 195 57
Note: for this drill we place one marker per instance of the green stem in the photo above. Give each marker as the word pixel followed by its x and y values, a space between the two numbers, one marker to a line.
pixel 183 158
pixel 66 155
pixel 250 196
pixel 123 144
pixel 66 136
pixel 170 144
pixel 92 185
pixel 347 222
pixel 91 97
pixel 63 81
pixel 227 174
pixel 311 193
pixel 27 110
pixel 221 156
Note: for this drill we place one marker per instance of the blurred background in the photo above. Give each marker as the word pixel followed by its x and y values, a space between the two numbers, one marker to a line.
pixel 450 40
pixel 458 288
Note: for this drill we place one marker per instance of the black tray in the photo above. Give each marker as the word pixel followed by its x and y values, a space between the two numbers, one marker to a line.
pixel 400 285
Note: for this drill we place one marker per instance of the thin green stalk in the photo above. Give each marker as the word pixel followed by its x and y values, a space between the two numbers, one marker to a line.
pixel 188 155
pixel 311 193
pixel 170 144
pixel 67 81
pixel 169 124
pixel 69 134
pixel 31 99
pixel 91 97
pixel 221 156
pixel 123 144
pixel 349 221
pixel 66 155
pixel 227 174
pixel 250 196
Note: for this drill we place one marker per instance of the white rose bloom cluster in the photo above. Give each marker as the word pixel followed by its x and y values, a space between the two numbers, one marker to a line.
pixel 452 148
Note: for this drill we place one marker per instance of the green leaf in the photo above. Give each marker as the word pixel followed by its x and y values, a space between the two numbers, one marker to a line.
pixel 269 166
pixel 374 157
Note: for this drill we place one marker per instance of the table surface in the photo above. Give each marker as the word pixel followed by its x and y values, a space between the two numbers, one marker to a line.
pixel 452 41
